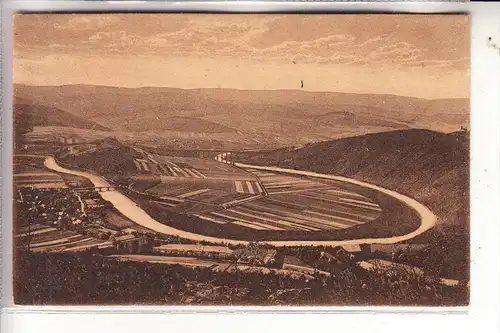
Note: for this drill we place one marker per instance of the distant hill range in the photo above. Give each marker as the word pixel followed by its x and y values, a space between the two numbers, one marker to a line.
pixel 41 115
pixel 279 117
pixel 180 124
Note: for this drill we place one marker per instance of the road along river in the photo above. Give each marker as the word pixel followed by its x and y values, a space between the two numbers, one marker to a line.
pixel 136 214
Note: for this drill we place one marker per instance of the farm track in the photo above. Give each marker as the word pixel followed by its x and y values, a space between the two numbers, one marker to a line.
pixel 218 266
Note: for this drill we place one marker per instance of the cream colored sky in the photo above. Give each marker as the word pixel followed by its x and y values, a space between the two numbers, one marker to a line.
pixel 423 56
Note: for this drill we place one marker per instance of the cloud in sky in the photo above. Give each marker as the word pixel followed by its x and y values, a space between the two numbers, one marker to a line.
pixel 391 42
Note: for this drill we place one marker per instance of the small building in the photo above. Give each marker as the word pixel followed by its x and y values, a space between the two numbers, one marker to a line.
pixel 124 238
pixel 93 203
pixel 355 248
pixel 351 252
pixel 72 183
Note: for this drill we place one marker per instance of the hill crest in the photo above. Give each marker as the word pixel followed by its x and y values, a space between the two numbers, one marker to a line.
pixel 40 115
pixel 273 117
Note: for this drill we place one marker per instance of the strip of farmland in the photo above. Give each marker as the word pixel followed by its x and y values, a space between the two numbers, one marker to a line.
pixel 48 239
pixel 293 203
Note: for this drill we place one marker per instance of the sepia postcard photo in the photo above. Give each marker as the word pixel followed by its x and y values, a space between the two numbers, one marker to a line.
pixel 241 159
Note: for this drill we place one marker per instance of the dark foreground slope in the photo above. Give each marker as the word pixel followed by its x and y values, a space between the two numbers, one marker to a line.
pixel 429 166
pixel 89 279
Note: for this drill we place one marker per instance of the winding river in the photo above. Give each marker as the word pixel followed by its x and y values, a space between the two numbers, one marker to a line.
pixel 136 214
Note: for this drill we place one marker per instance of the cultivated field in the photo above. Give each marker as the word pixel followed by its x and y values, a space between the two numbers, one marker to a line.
pixel 268 201
pixel 294 203
pixel 222 195
pixel 178 182
pixel 43 238
pixel 29 172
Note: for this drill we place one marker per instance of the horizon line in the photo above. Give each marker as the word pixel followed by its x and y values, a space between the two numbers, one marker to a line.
pixel 237 89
